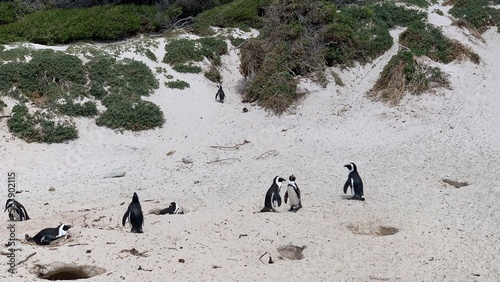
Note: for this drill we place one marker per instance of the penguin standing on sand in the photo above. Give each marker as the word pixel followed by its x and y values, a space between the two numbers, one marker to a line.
pixel 50 235
pixel 134 214
pixel 273 198
pixel 220 94
pixel 293 192
pixel 355 182
pixel 172 209
pixel 17 212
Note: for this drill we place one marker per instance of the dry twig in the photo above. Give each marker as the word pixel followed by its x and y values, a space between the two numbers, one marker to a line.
pixel 221 160
pixel 237 146
pixel 268 152
pixel 27 258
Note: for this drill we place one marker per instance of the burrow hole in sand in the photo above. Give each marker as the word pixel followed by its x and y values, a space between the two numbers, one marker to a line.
pixel 68 272
pixel 381 230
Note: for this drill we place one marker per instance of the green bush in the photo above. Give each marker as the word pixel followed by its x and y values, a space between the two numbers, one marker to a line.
pixel 239 14
pixel 426 40
pixel 478 13
pixel 150 55
pixel 7 13
pixel 125 115
pixel 420 3
pixel 184 50
pixel 178 84
pixel 2 105
pixel 189 68
pixel 61 26
pixel 87 109
pixel 39 127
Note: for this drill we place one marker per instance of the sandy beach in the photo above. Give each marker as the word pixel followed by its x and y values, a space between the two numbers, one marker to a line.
pixel 403 153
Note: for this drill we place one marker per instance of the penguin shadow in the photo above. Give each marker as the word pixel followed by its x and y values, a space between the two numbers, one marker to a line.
pixel 350 198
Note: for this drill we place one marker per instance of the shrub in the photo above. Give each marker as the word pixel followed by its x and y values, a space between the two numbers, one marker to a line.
pixel 213 74
pixel 420 3
pixel 178 84
pixel 150 55
pixel 476 12
pixel 404 75
pixel 87 109
pixel 126 115
pixel 183 50
pixel 61 26
pixel 7 13
pixel 427 40
pixel 39 127
pixel 2 105
pixel 239 14
pixel 183 68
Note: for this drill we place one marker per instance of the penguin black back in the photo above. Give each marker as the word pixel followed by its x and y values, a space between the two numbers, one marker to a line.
pixel 172 209
pixel 134 214
pixel 17 212
pixel 49 235
pixel 273 198
pixel 220 95
pixel 354 181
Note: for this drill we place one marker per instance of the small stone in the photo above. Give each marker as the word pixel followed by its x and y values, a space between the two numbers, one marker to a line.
pixel 187 160
pixel 88 251
pixel 182 261
pixel 52 189
pixel 245 110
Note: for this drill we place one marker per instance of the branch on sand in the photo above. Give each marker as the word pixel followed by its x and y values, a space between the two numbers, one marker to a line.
pixel 237 146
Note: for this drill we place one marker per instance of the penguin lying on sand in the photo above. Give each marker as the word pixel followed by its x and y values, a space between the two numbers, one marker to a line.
pixel 355 182
pixel 134 214
pixel 50 235
pixel 172 209
pixel 17 212
pixel 273 198
pixel 293 193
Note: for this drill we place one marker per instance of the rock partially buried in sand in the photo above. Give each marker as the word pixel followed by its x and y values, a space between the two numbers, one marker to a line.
pixel 115 173
pixel 187 160
pixel 291 252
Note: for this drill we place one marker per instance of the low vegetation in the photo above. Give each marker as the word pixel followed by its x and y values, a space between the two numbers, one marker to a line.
pixel 478 13
pixel 404 74
pixel 63 86
pixel 177 84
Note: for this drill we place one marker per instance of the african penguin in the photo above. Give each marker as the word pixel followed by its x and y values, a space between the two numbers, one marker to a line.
pixel 355 182
pixel 134 214
pixel 273 198
pixel 17 212
pixel 172 209
pixel 220 94
pixel 50 235
pixel 293 193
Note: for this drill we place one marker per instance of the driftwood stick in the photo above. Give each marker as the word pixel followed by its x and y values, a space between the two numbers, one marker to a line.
pixel 221 160
pixel 237 146
pixel 261 257
pixel 27 258
pixel 5 116
pixel 268 152
pixel 81 244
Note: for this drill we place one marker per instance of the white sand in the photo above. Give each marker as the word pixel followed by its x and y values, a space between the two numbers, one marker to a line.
pixel 402 154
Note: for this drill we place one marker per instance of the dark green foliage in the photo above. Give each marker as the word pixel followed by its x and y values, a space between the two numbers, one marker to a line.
pixel 276 91
pixel 2 105
pixel 189 68
pixel 478 13
pixel 59 26
pixel 7 12
pixel 178 84
pixel 237 41
pixel 39 127
pixel 126 115
pixel 15 54
pixel 240 14
pixel 150 55
pixel 419 3
pixel 183 50
pixel 427 40
pixel 87 109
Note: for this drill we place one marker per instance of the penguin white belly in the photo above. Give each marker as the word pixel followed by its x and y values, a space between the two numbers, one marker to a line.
pixel 294 198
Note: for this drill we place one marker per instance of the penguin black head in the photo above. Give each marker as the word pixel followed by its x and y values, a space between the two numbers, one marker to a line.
pixel 278 180
pixel 9 203
pixel 291 178
pixel 135 198
pixel 351 167
pixel 65 227
pixel 173 204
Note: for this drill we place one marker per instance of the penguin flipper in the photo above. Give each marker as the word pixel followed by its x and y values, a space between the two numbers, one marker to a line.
pixel 277 198
pixel 125 217
pixel 23 213
pixel 286 196
pixel 346 185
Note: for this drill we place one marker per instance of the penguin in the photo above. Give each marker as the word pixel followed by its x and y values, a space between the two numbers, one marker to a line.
pixel 220 94
pixel 273 198
pixel 293 192
pixel 50 235
pixel 134 214
pixel 17 212
pixel 172 209
pixel 355 182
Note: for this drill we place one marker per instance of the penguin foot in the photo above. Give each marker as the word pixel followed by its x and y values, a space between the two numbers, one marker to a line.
pixel 266 209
